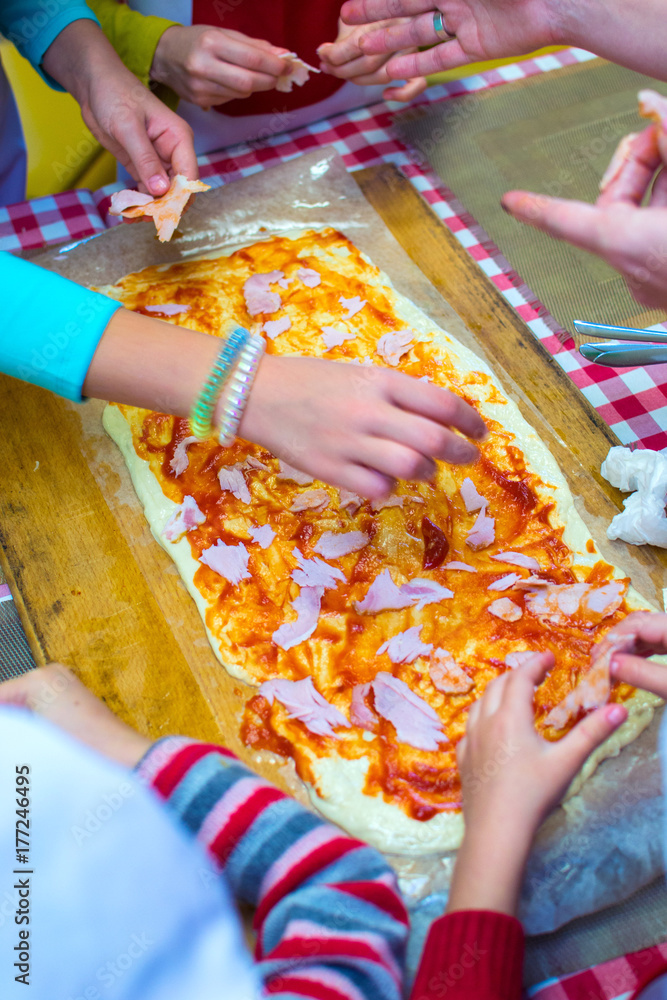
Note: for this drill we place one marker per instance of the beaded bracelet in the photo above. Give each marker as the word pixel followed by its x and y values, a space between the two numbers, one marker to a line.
pixel 202 410
pixel 238 389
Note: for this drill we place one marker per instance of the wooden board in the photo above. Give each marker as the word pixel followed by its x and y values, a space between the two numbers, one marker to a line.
pixel 94 589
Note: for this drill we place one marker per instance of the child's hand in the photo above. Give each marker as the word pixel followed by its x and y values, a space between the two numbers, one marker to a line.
pixel 209 66
pixel 355 426
pixel 650 627
pixel 59 697
pixel 511 779
pixel 345 59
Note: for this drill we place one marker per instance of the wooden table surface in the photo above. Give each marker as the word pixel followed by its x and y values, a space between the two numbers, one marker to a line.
pixel 95 591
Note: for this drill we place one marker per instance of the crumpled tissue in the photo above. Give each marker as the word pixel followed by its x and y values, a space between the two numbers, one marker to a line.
pixel 643 522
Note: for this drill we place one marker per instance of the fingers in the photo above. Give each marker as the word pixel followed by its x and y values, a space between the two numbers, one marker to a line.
pixel 650 629
pixel 423 436
pixel 640 673
pixel 409 90
pixel 631 169
pixel 574 221
pixel 439 405
pixel 574 749
pixel 392 459
pixel 365 11
pixel 537 667
pixel 131 133
pixel 259 59
pixel 37 689
pixel 447 55
pixel 175 146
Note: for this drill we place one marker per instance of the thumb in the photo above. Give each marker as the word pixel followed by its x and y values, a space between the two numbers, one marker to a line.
pixel 147 164
pixel 588 734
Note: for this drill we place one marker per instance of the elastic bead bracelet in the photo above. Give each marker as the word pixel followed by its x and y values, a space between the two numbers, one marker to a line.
pixel 204 406
pixel 238 389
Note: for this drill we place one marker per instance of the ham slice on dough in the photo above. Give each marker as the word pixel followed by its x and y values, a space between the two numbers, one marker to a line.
pixel 258 295
pixel 305 703
pixel 482 534
pixel 405 646
pixel 460 565
pixel 505 609
pixel 505 582
pixel 472 499
pixel 349 501
pixel 274 327
pixel 392 346
pixel 166 210
pixel 559 603
pixel 415 722
pixel 228 561
pixel 334 544
pixel 307 607
pixel 353 305
pixel 298 72
pixel 181 460
pixel 594 688
pixel 311 500
pixel 232 479
pixel 447 675
pixel 315 572
pixel 334 338
pixel 186 517
pixel 518 559
pixel 309 277
pixel 263 535
pixel 360 713
pixel 392 501
pixel 167 309
pixel 289 473
pixel 384 595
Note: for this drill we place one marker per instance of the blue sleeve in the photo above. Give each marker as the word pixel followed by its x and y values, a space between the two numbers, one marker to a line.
pixel 51 327
pixel 31 25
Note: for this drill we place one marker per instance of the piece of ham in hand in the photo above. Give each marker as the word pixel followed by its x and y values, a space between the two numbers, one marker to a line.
pixel 166 210
pixel 298 72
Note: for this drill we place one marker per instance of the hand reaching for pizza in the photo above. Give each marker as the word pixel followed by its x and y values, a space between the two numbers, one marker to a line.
pixel 209 66
pixel 346 59
pixel 355 426
pixel 56 694
pixel 651 631
pixel 511 779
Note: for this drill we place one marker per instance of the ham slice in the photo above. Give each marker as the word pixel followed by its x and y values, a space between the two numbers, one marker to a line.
pixel 392 501
pixel 274 327
pixel 505 609
pixel 360 713
pixel 405 646
pixel 446 674
pixel 166 210
pixel 353 305
pixel 652 105
pixel 514 660
pixel 415 722
pixel 471 498
pixel 254 463
pixel 454 564
pixel 594 688
pixel 518 559
pixel 622 154
pixel 122 200
pixel 186 517
pixel 167 309
pixel 334 544
pixel 310 277
pixel 263 535
pixel 228 561
pixel 289 473
pixel 531 583
pixel 232 479
pixel 349 501
pixel 258 295
pixel 334 338
pixel 588 602
pixel 505 582
pixel 315 572
pixel 482 534
pixel 311 500
pixel 181 460
pixel 384 595
pixel 307 607
pixel 298 72
pixel 392 346
pixel 305 703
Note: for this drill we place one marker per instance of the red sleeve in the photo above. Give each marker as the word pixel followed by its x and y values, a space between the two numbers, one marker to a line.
pixel 472 955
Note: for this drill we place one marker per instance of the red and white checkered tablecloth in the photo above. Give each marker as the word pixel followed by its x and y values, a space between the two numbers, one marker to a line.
pixel 614 980
pixel 632 401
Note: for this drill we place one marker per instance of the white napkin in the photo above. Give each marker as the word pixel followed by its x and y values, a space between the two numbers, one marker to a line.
pixel 643 522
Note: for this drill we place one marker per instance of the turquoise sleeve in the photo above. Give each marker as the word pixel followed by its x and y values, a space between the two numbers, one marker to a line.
pixel 50 328
pixel 31 25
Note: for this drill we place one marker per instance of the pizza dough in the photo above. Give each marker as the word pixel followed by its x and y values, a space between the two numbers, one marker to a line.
pixel 398 796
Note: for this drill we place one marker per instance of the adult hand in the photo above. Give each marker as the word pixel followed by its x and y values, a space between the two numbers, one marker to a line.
pixel 511 779
pixel 209 66
pixel 345 59
pixel 357 427
pixel 631 237
pixel 650 628
pixel 142 133
pixel 59 697
pixel 484 29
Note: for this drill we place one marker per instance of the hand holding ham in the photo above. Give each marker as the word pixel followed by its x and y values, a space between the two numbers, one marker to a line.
pixel 630 236
pixel 355 426
pixel 209 66
pixel 511 779
pixel 346 59
pixel 650 629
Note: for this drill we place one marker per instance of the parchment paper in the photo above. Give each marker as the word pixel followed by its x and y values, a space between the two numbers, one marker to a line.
pixel 605 844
